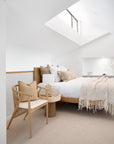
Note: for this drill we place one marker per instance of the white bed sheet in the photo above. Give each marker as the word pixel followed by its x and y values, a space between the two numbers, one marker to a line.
pixel 70 89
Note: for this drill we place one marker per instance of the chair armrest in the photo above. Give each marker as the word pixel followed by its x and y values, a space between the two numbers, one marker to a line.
pixel 46 90
pixel 42 87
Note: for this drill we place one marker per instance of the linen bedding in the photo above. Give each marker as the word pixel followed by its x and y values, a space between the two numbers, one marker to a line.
pixel 99 90
pixel 70 89
pixel 88 90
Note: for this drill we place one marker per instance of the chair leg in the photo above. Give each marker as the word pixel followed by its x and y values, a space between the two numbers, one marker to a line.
pixel 46 113
pixel 11 119
pixel 26 115
pixel 30 128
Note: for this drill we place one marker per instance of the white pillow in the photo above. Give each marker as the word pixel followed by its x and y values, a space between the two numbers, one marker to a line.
pixel 62 68
pixel 48 78
pixel 54 70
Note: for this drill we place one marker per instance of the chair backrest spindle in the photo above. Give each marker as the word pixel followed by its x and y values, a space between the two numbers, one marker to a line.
pixel 15 95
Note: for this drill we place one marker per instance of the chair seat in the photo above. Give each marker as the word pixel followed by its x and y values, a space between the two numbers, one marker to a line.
pixel 33 104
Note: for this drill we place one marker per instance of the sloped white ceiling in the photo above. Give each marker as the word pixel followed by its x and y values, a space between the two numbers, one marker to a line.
pixel 29 41
pixel 26 19
pixel 93 21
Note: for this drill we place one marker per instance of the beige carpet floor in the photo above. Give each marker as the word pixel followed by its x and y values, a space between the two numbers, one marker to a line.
pixel 70 126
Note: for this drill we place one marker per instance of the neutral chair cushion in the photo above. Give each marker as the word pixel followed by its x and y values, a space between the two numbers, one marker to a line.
pixel 30 89
pixel 33 104
pixel 67 75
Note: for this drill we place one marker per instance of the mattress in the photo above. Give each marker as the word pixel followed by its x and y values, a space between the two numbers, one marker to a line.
pixel 70 89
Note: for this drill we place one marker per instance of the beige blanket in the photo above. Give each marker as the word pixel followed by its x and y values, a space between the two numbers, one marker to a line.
pixel 97 93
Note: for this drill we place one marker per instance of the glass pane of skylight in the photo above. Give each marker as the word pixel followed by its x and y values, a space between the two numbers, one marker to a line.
pixel 74 24
pixel 65 17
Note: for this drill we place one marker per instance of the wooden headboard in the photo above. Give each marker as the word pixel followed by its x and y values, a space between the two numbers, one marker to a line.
pixel 37 75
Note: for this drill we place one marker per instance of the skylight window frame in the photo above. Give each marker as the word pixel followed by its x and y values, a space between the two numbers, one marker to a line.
pixel 73 18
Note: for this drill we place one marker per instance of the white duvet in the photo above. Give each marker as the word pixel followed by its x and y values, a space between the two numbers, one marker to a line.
pixel 88 90
pixel 69 89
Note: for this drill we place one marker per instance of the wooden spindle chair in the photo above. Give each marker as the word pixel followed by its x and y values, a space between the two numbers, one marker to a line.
pixel 27 107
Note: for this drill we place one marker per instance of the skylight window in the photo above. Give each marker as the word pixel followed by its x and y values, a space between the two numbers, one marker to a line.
pixel 69 19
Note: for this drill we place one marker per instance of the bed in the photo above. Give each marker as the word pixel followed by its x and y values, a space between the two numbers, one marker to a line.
pixel 37 77
pixel 65 88
pixel 99 91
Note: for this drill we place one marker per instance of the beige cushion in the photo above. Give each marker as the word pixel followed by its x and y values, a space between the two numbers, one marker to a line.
pixel 44 70
pixel 30 89
pixel 67 75
pixel 33 104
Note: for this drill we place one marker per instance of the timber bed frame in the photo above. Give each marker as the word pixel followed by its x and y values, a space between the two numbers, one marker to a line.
pixel 37 77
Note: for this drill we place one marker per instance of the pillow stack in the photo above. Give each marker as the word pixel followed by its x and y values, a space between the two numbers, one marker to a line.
pixel 54 70
pixel 44 70
pixel 60 73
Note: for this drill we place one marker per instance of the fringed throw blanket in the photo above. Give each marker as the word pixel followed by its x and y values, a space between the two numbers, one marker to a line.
pixel 97 93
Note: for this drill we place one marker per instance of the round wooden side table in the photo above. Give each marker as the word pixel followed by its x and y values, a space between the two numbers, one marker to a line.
pixel 52 104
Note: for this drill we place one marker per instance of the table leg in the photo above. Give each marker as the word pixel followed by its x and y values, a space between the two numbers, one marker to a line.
pixel 51 109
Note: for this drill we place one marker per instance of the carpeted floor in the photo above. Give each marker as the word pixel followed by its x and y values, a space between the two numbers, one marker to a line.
pixel 68 127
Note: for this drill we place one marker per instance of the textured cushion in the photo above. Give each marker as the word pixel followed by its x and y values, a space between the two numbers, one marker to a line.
pixel 30 89
pixel 33 104
pixel 67 75
pixel 44 70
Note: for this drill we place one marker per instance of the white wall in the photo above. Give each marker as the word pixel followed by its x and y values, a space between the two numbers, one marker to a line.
pixel 103 47
pixel 49 45
pixel 20 59
pixel 98 66
pixel 71 60
pixel 2 72
pixel 29 41
pixel 103 15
